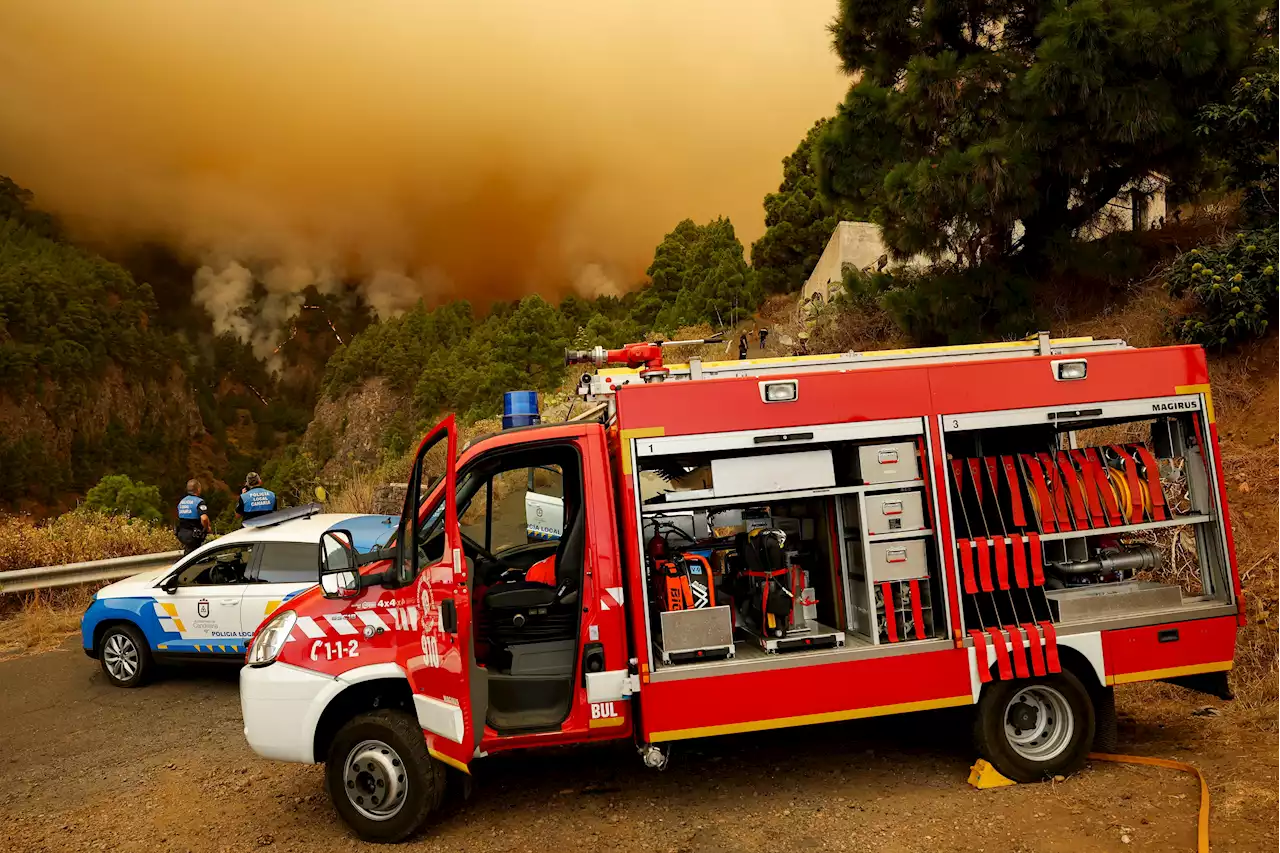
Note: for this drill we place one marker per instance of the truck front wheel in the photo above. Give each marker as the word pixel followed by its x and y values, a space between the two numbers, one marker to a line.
pixel 1031 729
pixel 381 779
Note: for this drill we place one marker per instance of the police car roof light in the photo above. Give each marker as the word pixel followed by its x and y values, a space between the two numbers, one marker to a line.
pixel 282 515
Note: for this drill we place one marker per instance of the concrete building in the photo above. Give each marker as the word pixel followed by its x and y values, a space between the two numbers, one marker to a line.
pixel 857 245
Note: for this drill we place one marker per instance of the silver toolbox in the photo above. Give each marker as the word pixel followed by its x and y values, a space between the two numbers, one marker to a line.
pixel 894 512
pixel 1109 600
pixel 701 629
pixel 898 561
pixel 887 463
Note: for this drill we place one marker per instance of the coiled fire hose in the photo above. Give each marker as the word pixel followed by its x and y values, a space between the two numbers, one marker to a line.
pixel 1202 835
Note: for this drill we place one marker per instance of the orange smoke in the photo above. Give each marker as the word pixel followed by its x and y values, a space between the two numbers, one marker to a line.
pixel 426 149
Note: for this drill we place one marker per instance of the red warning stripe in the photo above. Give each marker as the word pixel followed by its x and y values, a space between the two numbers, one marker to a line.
pixel 1002 654
pixel 1020 667
pixel 890 615
pixel 980 656
pixel 917 610
pixel 1103 482
pixel 1001 546
pixel 1019 562
pixel 1135 487
pixel 1041 487
pixel 1015 493
pixel 1058 491
pixel 1153 482
pixel 1089 485
pixel 1078 510
pixel 984 565
pixel 1037 651
pixel 1037 559
pixel 1050 647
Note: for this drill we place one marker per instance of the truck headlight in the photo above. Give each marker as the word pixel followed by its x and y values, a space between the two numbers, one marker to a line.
pixel 271 639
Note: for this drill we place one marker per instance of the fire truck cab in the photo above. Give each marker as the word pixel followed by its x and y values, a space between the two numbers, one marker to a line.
pixel 760 544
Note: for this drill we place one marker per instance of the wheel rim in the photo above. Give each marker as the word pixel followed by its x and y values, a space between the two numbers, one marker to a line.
pixel 1038 723
pixel 375 780
pixel 120 655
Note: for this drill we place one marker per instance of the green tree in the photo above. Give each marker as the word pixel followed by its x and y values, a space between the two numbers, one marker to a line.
pixel 1241 133
pixel 798 219
pixel 991 132
pixel 698 275
pixel 1233 287
pixel 117 494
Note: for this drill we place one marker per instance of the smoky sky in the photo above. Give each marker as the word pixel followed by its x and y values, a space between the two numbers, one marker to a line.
pixel 475 148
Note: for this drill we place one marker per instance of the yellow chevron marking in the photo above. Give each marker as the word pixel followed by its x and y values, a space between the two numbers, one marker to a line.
pixel 272 605
pixel 452 762
pixel 171 609
pixel 177 623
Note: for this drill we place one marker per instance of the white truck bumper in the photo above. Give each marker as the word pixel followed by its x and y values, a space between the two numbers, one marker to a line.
pixel 282 705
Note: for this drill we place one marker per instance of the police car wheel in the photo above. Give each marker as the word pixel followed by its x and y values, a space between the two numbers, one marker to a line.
pixel 1035 728
pixel 381 779
pixel 124 655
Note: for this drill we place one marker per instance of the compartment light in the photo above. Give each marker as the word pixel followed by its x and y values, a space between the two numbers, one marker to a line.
pixel 786 391
pixel 1065 371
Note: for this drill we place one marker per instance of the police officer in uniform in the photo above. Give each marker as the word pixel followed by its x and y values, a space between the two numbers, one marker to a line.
pixel 193 518
pixel 255 500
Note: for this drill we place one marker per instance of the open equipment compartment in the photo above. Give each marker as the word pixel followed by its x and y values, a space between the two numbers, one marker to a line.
pixel 788 543
pixel 1072 516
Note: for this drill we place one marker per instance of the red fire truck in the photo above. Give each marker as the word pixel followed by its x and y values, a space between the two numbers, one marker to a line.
pixel 751 545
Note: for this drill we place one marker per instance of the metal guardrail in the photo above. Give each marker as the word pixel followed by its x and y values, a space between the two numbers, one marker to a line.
pixel 46 577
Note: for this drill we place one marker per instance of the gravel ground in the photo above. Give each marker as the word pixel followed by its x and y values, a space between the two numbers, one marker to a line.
pixel 87 767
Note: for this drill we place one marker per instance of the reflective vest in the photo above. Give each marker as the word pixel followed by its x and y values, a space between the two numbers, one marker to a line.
pixel 191 508
pixel 258 500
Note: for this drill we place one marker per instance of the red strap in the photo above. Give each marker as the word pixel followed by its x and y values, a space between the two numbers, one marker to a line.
pixel 1059 491
pixel 975 473
pixel 1103 482
pixel 1020 667
pixel 1037 651
pixel 993 475
pixel 1001 547
pixel 1089 485
pixel 1019 561
pixel 1037 559
pixel 1050 647
pixel 984 565
pixel 1042 492
pixel 1015 494
pixel 1072 482
pixel 957 471
pixel 917 611
pixel 1135 487
pixel 1002 654
pixel 966 566
pixel 1153 482
pixel 980 656
pixel 890 615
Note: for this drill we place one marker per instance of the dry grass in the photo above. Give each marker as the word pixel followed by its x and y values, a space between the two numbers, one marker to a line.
pixel 36 621
pixel 75 537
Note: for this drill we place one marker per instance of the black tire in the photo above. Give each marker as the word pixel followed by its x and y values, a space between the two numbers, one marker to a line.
pixel 1045 747
pixel 398 743
pixel 124 655
pixel 1107 737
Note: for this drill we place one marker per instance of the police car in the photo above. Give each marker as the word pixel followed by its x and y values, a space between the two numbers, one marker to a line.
pixel 208 604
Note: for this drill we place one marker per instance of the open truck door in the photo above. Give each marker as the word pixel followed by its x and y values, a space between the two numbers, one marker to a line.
pixel 448 687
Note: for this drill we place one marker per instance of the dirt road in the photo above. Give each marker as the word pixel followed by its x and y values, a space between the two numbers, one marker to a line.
pixel 87 767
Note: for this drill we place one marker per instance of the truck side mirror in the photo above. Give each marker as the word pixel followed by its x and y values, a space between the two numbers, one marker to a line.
pixel 339 577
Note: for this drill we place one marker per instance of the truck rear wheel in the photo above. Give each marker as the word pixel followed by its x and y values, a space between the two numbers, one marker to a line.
pixel 381 779
pixel 1034 728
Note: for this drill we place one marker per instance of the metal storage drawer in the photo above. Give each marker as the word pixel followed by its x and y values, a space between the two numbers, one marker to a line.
pixel 775 472
pixel 888 463
pixel 898 561
pixel 894 512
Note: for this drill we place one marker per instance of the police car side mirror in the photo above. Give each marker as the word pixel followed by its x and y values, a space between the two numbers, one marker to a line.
pixel 170 584
pixel 339 577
